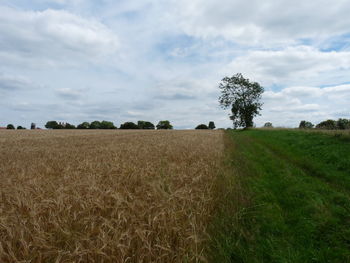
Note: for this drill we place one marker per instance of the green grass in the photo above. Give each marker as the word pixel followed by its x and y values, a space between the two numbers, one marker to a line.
pixel 285 197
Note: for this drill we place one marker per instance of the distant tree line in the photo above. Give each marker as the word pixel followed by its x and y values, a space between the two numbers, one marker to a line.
pixel 340 124
pixel 210 126
pixel 107 125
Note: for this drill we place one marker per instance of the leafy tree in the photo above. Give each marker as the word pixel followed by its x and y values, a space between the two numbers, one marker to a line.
pixel 10 127
pixel 95 125
pixel 84 125
pixel 145 125
pixel 20 127
pixel 69 126
pixel 306 125
pixel 202 127
pixel 343 124
pixel 107 125
pixel 211 125
pixel 164 125
pixel 268 125
pixel 243 97
pixel 52 125
pixel 327 125
pixel 129 126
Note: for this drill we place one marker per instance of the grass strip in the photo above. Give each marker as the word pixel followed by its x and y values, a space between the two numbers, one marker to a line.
pixel 272 207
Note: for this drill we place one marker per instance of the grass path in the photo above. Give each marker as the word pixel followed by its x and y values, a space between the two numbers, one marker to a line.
pixel 286 199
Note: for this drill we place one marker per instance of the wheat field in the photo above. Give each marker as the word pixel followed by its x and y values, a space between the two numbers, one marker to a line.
pixel 106 196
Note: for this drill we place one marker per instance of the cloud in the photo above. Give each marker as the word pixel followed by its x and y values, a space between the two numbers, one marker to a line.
pixel 300 65
pixel 254 22
pixel 52 37
pixel 11 83
pixel 70 94
pixel 289 106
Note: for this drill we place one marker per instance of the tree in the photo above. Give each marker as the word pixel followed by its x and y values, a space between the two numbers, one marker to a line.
pixel 268 125
pixel 69 126
pixel 84 125
pixel 327 125
pixel 343 124
pixel 52 125
pixel 95 125
pixel 145 125
pixel 10 127
pixel 107 125
pixel 20 127
pixel 164 125
pixel 202 127
pixel 306 125
pixel 129 126
pixel 243 97
pixel 211 125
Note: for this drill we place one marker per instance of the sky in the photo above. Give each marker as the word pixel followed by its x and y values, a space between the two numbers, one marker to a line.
pixel 130 60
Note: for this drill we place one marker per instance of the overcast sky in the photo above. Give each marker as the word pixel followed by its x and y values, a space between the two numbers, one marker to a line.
pixel 129 60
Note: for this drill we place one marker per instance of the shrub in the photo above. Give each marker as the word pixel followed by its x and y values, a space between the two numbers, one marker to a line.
pixel 164 125
pixel 145 125
pixel 305 125
pixel 129 126
pixel 202 127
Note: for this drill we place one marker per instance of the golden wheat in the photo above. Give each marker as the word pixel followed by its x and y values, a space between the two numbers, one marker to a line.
pixel 106 196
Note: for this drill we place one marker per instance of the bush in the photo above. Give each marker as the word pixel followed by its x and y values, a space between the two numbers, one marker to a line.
pixel 202 127
pixel 107 125
pixel 343 124
pixel 84 125
pixel 95 125
pixel 52 125
pixel 268 125
pixel 305 125
pixel 10 127
pixel 68 126
pixel 145 125
pixel 20 127
pixel 129 126
pixel 327 125
pixel 164 125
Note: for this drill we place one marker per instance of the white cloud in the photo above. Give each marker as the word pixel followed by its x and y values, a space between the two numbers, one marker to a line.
pixel 289 106
pixel 300 65
pixel 263 22
pixel 52 37
pixel 10 83
pixel 70 94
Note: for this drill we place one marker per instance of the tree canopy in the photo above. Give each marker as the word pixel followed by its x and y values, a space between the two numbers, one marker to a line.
pixel 305 125
pixel 107 125
pixel 202 127
pixel 129 126
pixel 84 125
pixel 211 125
pixel 145 125
pixel 52 125
pixel 327 125
pixel 10 127
pixel 243 97
pixel 164 125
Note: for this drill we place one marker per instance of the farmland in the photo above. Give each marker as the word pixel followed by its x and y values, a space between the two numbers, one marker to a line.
pixel 106 196
pixel 264 195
